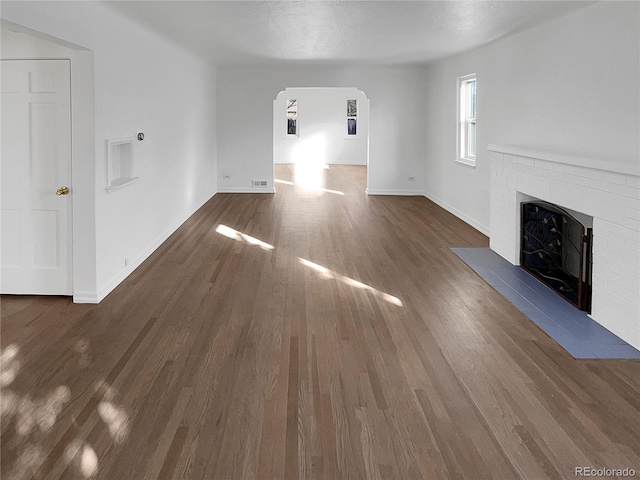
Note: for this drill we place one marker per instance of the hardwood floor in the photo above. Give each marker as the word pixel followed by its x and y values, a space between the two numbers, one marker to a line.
pixel 313 336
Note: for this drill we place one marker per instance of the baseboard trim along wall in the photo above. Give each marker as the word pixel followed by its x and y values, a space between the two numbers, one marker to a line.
pixel 101 294
pixel 247 190
pixel 454 211
pixel 405 193
pixel 83 296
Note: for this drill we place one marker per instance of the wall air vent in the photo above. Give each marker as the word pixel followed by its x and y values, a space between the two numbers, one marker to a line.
pixel 259 184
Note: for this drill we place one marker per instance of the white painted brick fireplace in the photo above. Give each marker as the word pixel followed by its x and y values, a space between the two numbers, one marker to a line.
pixel 607 191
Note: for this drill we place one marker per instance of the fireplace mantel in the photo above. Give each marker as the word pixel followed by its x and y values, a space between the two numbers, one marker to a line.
pixel 555 157
pixel 605 190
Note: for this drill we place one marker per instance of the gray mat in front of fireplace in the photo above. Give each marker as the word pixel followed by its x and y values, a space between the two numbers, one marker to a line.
pixel 571 328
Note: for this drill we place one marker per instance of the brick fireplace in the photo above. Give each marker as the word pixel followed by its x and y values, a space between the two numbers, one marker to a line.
pixel 609 192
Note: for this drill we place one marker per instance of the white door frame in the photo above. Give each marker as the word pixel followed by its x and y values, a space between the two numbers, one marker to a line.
pixel 83 144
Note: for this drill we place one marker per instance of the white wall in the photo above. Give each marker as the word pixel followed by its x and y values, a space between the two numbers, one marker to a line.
pixel 322 113
pixel 396 133
pixel 571 86
pixel 142 82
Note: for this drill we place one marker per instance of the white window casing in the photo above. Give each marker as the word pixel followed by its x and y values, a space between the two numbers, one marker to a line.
pixel 466 120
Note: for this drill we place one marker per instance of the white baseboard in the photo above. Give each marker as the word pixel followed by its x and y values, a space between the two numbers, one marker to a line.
pixel 406 193
pixel 481 228
pixel 82 296
pixel 328 163
pixel 118 279
pixel 247 190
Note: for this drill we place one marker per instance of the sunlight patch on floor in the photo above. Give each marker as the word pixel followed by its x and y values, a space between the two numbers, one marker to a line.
pixel 88 461
pixel 309 159
pixel 310 163
pixel 34 417
pixel 325 190
pixel 284 182
pixel 328 274
pixel 236 235
pixel 115 419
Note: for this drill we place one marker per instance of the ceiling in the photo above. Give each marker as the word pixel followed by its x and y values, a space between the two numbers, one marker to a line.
pixel 337 32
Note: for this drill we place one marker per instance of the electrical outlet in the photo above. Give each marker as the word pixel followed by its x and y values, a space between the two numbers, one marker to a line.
pixel 226 177
pixel 127 261
pixel 412 179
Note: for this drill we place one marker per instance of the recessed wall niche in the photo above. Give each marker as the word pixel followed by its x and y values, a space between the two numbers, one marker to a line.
pixel 120 163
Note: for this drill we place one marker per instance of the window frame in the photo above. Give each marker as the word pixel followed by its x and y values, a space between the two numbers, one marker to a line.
pixel 294 116
pixel 355 117
pixel 463 120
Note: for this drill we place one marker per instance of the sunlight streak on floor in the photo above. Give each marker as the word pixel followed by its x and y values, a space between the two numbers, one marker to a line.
pixel 285 182
pixel 9 365
pixel 326 273
pixel 236 235
pixel 326 190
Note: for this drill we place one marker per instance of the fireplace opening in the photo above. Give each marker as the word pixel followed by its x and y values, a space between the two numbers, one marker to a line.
pixel 556 248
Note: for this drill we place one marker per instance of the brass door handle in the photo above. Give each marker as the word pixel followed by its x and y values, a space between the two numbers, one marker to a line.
pixel 62 191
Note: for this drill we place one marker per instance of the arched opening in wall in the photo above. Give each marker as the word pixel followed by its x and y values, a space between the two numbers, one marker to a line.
pixel 321 140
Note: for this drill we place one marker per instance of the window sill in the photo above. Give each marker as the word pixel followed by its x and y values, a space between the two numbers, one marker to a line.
pixel 121 182
pixel 466 162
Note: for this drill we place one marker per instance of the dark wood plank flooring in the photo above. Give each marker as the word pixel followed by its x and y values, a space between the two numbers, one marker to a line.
pixel 358 347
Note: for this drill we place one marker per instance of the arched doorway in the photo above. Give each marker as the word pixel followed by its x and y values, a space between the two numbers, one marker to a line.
pixel 317 128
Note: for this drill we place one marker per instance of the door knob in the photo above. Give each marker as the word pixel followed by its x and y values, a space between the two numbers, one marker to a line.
pixel 62 191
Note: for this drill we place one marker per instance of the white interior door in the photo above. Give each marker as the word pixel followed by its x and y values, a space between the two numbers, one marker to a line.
pixel 35 221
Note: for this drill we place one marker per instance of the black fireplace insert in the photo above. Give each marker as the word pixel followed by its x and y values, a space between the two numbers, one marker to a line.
pixel 556 248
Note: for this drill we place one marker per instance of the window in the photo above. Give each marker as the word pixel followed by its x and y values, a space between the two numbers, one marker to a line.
pixel 292 117
pixel 466 148
pixel 352 117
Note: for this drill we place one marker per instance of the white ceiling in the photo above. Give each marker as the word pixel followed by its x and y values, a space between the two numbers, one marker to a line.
pixel 337 32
